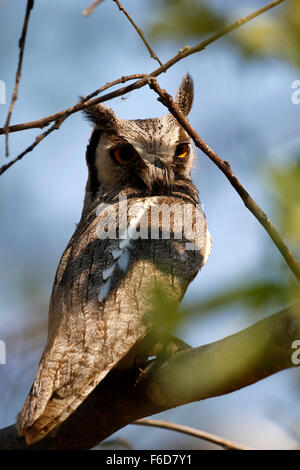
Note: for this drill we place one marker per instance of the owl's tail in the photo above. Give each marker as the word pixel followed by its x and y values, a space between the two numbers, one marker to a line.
pixel 44 410
pixel 64 380
pixel 61 385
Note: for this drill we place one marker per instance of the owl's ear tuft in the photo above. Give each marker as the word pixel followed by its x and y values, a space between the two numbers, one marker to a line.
pixel 102 117
pixel 185 94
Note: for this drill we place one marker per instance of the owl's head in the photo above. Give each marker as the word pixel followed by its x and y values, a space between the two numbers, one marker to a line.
pixel 151 155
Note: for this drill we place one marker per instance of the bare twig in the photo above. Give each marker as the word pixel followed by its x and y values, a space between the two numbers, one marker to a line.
pixel 38 139
pixel 91 8
pixel 142 80
pixel 206 436
pixel 62 116
pixel 30 4
pixel 185 52
pixel 124 79
pixel 224 166
pixel 84 103
pixel 139 31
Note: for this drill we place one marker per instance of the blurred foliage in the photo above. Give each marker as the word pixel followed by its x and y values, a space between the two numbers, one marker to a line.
pixel 256 295
pixel 274 34
pixel 271 286
pixel 180 19
pixel 286 185
pixel 163 315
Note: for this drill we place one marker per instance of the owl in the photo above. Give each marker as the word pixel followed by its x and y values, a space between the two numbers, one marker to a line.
pixel 142 226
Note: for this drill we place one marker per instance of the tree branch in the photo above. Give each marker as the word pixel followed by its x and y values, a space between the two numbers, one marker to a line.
pixel 224 166
pixel 91 8
pixel 187 376
pixel 139 31
pixel 30 4
pixel 206 436
pixel 191 375
pixel 61 117
pixel 37 140
pixel 183 53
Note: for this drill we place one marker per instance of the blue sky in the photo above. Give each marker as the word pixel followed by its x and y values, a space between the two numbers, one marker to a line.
pixel 243 110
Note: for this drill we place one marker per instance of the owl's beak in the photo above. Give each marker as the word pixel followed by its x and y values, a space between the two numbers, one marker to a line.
pixel 156 160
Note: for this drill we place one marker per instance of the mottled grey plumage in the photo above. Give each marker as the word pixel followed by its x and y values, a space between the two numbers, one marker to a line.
pixel 102 290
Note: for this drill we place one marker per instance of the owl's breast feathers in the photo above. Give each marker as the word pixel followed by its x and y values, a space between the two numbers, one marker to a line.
pixel 122 248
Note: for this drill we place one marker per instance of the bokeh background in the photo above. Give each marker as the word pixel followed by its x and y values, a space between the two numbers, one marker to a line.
pixel 242 108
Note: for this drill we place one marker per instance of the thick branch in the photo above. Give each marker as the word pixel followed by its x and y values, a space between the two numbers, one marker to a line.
pixel 191 375
pixel 185 52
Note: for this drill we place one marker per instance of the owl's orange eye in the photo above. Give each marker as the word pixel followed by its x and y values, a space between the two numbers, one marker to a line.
pixel 182 151
pixel 124 154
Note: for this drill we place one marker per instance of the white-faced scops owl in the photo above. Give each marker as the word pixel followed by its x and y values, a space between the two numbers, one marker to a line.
pixel 142 226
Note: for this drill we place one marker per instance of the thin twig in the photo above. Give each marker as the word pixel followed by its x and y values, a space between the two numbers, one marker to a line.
pixel 185 52
pixel 30 4
pixel 206 436
pixel 38 139
pixel 84 103
pixel 224 166
pixel 91 8
pixel 139 31
pixel 62 116
pixel 124 79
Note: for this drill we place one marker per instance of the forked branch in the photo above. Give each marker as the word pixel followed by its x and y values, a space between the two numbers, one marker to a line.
pixel 62 117
pixel 185 52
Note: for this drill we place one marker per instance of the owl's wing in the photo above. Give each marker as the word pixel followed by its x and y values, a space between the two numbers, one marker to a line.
pixel 100 294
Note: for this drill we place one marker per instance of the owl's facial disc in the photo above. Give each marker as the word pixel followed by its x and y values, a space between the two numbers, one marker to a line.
pixel 148 164
pixel 148 153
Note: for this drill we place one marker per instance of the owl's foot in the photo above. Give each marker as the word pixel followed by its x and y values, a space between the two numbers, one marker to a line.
pixel 162 351
pixel 169 346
